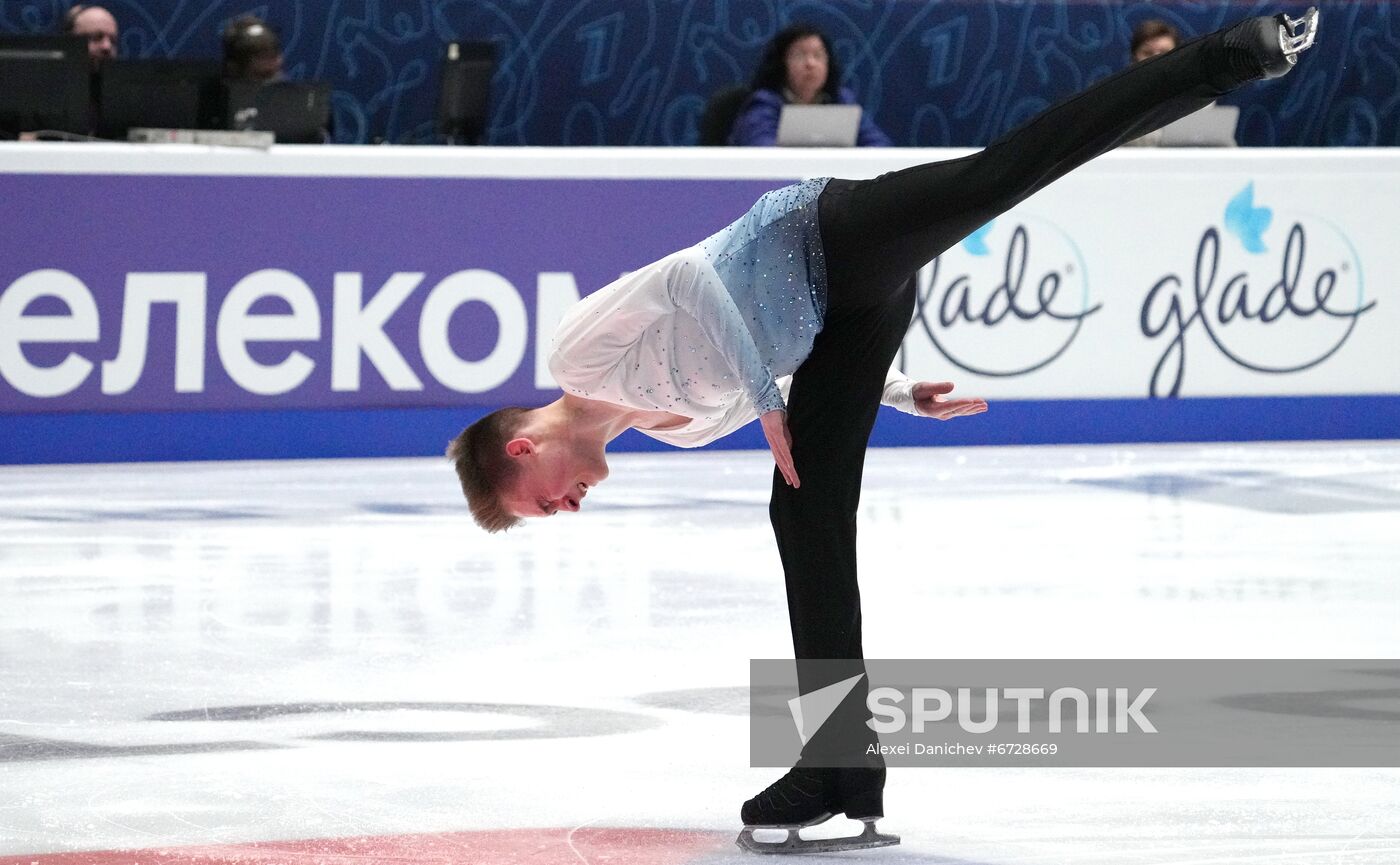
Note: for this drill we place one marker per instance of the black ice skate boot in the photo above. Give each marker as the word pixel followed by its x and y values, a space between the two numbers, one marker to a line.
pixel 805 797
pixel 1267 47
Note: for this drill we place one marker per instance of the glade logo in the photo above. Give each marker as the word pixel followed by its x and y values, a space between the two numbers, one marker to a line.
pixel 1023 306
pixel 1283 307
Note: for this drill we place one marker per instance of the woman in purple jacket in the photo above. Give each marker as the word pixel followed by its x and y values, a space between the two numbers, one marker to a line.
pixel 798 68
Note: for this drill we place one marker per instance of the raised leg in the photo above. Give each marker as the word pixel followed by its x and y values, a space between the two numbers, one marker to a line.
pixel 877 233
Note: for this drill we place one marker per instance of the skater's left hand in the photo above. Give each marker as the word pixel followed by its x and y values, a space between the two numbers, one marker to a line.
pixel 931 399
pixel 775 429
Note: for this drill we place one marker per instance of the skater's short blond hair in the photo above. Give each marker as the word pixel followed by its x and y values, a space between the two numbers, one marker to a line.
pixel 484 468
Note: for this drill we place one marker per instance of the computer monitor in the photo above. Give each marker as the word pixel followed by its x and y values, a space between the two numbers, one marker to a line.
pixel 159 94
pixel 465 91
pixel 295 112
pixel 46 84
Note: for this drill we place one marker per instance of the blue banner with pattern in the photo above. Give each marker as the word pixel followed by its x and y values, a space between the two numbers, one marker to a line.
pixel 639 72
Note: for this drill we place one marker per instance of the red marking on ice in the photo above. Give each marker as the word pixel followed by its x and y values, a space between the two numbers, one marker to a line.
pixel 496 847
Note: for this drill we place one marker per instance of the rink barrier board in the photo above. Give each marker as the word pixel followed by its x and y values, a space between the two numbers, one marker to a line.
pixel 1246 351
pixel 87 437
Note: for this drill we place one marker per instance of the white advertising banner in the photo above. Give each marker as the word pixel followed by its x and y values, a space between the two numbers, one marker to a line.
pixel 1175 276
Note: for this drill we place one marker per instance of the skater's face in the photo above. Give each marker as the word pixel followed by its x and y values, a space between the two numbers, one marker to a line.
pixel 806 67
pixel 552 476
pixel 1152 47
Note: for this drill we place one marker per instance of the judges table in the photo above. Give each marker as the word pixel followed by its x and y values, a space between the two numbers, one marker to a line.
pixel 187 302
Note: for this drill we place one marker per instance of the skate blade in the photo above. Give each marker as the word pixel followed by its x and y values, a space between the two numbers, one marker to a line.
pixel 868 839
pixel 1300 34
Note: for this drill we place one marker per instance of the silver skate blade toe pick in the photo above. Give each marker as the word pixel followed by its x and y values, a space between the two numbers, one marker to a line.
pixel 868 839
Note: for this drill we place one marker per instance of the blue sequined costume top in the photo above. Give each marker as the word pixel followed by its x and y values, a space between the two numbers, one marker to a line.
pixel 771 262
pixel 705 332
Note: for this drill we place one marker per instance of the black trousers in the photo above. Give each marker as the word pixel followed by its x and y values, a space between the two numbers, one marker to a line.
pixel 876 235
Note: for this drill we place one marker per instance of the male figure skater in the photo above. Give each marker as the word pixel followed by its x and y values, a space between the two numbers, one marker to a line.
pixel 814 282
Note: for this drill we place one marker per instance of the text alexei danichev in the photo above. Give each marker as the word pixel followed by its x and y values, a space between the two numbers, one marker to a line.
pixel 947 749
pixel 957 749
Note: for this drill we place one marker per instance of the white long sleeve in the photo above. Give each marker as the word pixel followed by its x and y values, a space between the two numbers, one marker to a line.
pixel 899 392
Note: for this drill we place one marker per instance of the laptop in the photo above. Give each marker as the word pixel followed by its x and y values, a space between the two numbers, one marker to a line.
pixel 1212 126
pixel 819 126
pixel 297 112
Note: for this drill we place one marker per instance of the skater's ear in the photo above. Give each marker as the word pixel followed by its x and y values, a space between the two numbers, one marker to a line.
pixel 485 468
pixel 519 447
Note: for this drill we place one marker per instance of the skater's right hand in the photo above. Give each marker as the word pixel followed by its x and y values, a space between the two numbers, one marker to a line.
pixel 931 400
pixel 775 429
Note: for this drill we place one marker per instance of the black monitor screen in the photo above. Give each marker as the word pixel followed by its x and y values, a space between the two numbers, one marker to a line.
pixel 465 89
pixel 46 84
pixel 159 94
pixel 296 112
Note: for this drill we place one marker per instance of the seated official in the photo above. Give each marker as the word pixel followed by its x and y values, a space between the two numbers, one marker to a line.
pixel 98 27
pixel 798 68
pixel 252 50
pixel 1150 39
pixel 260 97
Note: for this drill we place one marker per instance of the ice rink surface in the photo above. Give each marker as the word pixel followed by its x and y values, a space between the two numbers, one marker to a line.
pixel 324 662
